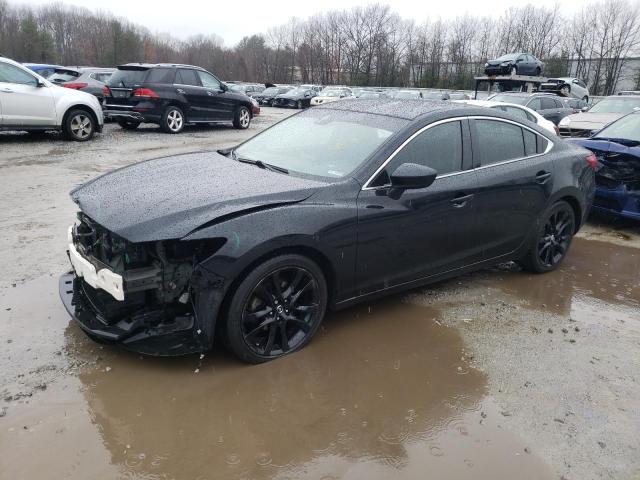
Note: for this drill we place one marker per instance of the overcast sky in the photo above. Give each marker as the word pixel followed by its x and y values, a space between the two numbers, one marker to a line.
pixel 232 20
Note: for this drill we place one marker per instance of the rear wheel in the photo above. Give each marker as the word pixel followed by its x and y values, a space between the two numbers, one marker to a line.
pixel 299 104
pixel 552 239
pixel 172 120
pixel 128 124
pixel 78 126
pixel 276 309
pixel 242 118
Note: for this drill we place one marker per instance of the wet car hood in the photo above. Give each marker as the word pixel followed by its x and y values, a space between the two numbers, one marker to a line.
pixel 169 197
pixel 592 121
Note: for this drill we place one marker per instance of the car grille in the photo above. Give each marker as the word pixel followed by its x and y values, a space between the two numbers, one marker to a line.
pixel 574 132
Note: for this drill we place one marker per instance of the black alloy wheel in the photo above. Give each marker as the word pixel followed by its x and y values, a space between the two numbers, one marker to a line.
pixel 553 239
pixel 276 309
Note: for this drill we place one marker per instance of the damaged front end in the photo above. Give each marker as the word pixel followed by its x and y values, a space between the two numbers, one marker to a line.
pixel 154 297
pixel 618 184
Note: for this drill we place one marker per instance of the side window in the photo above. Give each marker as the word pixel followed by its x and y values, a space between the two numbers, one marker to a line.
pixel 210 81
pixel 516 112
pixel 497 142
pixel 582 84
pixel 161 75
pixel 535 104
pixel 530 146
pixel 438 147
pixel 12 74
pixel 186 76
pixel 548 103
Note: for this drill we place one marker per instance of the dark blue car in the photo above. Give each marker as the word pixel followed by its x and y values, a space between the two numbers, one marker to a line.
pixel 617 148
pixel 42 69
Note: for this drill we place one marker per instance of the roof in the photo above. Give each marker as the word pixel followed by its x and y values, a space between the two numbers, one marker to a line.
pixel 152 65
pixel 407 109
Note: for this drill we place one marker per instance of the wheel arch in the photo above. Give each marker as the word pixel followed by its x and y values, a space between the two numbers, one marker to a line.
pixel 577 210
pixel 80 106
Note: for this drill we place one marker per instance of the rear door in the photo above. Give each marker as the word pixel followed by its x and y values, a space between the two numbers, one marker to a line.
pixel 24 103
pixel 189 89
pixel 515 180
pixel 407 235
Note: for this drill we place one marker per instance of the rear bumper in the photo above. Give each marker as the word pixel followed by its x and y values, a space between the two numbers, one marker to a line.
pixel 147 331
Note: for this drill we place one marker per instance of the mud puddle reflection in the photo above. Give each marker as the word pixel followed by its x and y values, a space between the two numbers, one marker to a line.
pixel 383 392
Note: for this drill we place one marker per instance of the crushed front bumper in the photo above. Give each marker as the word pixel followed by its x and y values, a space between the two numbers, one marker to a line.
pixel 147 331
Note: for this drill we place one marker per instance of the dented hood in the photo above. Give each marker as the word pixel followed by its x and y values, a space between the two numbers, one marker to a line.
pixel 169 197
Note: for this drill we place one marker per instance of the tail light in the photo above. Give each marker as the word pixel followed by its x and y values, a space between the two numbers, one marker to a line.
pixel 75 86
pixel 145 93
pixel 592 160
pixel 106 92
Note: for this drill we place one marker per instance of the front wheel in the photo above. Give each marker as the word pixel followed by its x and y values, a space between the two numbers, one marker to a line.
pixel 552 240
pixel 276 309
pixel 242 118
pixel 172 120
pixel 78 126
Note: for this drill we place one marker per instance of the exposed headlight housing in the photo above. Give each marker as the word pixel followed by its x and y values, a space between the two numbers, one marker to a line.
pixel 565 121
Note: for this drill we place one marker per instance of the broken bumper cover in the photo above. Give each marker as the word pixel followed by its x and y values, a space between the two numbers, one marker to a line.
pixel 620 202
pixel 150 332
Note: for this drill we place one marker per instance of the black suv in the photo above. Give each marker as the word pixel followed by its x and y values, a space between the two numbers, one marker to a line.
pixel 173 96
pixel 551 107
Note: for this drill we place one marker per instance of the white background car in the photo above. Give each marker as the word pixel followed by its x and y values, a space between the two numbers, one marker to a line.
pixel 567 86
pixel 517 111
pixel 30 103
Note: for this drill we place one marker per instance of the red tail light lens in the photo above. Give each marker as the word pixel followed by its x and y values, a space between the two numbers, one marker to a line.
pixel 592 160
pixel 75 86
pixel 145 93
pixel 106 92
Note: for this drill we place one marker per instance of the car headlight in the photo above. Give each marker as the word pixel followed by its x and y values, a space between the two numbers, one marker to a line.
pixel 565 121
pixel 486 64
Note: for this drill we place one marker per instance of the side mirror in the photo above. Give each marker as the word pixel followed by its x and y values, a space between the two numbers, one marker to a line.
pixel 39 83
pixel 223 87
pixel 585 108
pixel 412 175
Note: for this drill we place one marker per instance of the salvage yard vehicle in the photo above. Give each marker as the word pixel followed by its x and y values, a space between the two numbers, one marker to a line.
pixel 30 103
pixel 548 105
pixel 249 89
pixel 602 113
pixel 516 110
pixel 256 242
pixel 567 86
pixel 172 96
pixel 329 95
pixel 296 98
pixel 268 95
pixel 86 79
pixel 617 148
pixel 514 64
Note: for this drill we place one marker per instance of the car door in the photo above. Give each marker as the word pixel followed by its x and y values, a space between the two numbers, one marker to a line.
pixel 405 235
pixel 545 107
pixel 220 105
pixel 191 92
pixel 515 180
pixel 25 101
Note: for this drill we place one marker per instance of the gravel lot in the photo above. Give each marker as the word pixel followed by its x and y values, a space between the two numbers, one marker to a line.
pixel 496 374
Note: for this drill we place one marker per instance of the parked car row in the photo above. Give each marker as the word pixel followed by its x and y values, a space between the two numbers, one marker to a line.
pixel 86 79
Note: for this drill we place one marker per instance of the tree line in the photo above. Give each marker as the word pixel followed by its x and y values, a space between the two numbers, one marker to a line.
pixel 370 45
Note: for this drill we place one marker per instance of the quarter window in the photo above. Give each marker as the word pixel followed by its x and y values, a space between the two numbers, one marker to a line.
pixel 12 74
pixel 161 76
pixel 497 142
pixel 438 147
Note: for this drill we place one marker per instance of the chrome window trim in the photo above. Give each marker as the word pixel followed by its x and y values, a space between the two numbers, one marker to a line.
pixel 550 145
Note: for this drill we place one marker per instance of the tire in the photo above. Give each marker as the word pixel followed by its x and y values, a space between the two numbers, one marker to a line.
pixel 263 305
pixel 552 240
pixel 242 118
pixel 173 120
pixel 78 126
pixel 538 72
pixel 128 124
pixel 299 105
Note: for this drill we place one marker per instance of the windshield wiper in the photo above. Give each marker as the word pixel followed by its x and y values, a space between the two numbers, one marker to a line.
pixel 261 164
pixel 622 141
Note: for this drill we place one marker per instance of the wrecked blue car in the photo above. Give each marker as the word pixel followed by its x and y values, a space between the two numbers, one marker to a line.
pixel 617 149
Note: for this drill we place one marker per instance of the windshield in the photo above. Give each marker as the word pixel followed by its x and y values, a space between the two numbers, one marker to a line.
pixel 238 88
pixel 126 78
pixel 331 93
pixel 406 95
pixel 616 105
pixel 271 91
pixel 297 91
pixel 509 56
pixel 519 99
pixel 320 142
pixel 627 128
pixel 61 76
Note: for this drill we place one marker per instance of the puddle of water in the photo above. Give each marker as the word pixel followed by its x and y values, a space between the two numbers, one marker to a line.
pixel 383 391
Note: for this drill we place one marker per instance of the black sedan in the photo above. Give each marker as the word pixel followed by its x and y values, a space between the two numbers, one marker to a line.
pixel 296 98
pixel 268 95
pixel 335 205
pixel 514 64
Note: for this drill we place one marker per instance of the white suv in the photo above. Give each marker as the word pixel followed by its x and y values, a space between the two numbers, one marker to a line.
pixel 30 103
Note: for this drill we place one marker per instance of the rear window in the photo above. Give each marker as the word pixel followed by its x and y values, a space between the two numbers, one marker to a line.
pixel 160 75
pixel 127 78
pixel 61 76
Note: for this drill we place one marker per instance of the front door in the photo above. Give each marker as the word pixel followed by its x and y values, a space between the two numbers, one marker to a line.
pixel 406 235
pixel 24 103
pixel 220 106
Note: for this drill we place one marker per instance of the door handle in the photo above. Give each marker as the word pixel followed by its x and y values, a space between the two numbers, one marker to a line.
pixel 179 90
pixel 209 93
pixel 461 201
pixel 543 177
pixel 6 90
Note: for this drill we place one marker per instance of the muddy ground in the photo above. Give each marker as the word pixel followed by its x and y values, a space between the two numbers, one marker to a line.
pixel 497 374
